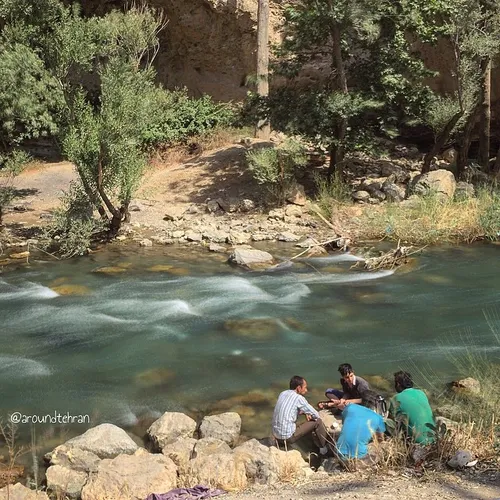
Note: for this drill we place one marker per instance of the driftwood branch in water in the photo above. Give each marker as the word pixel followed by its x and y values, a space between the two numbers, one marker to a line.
pixel 322 244
pixel 389 260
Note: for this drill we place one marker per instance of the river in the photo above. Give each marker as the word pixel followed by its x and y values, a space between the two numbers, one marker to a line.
pixel 160 334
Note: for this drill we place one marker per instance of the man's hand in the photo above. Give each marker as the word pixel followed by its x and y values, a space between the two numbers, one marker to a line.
pixel 309 417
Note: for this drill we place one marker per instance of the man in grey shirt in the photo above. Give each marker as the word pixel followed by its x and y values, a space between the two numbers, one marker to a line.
pixel 290 405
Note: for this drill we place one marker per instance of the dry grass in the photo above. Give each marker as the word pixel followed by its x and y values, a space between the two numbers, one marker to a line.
pixel 430 220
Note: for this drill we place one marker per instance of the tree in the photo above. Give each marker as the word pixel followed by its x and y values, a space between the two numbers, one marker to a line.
pixel 263 128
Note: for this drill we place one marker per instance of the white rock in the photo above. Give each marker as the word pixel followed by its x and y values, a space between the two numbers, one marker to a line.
pixel 105 441
pixel 225 427
pixel 65 482
pixel 146 243
pixel 288 237
pixel 222 470
pixel 19 492
pixel 131 477
pixel 170 427
pixel 250 257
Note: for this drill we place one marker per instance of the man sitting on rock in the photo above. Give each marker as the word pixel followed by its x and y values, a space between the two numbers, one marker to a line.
pixel 411 411
pixel 352 387
pixel 360 425
pixel 290 405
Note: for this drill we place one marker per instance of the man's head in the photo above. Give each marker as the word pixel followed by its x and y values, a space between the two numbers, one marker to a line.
pixel 346 372
pixel 370 400
pixel 298 384
pixel 402 381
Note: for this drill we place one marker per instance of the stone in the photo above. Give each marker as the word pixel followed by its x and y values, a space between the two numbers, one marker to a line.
pixel 373 201
pixel 288 237
pixel 110 270
pixel 121 237
pixel 145 243
pixel 308 242
pixel 378 194
pixel 226 427
pixel 154 377
pixel 253 328
pixel 262 236
pixel 438 181
pixel 361 196
pixel 173 213
pixel 162 240
pixel 277 213
pixel 170 427
pixel 73 458
pixel 215 235
pixel 297 195
pixel 64 482
pixel 131 477
pixel 400 175
pixel 178 234
pixel 247 205
pixel 180 452
pixel 105 441
pixel 210 446
pixel 450 155
pixel 464 190
pixel 222 470
pixel 19 255
pixel 461 459
pixel 393 192
pixel 259 466
pixel 71 289
pixel 213 206
pixel 19 492
pixel 293 211
pixel 411 202
pixel 214 247
pixel 250 257
pixel 193 236
pixel 467 385
pixel 238 238
pixel 229 205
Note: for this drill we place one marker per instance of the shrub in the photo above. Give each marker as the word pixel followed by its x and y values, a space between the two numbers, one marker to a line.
pixel 10 165
pixel 276 167
pixel 179 117
pixel 331 193
pixel 74 225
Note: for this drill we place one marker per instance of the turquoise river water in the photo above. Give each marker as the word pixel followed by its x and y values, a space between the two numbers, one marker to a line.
pixel 156 336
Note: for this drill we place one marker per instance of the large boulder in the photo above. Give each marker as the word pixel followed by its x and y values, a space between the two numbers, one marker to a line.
pixel 250 257
pixel 210 446
pixel 73 458
pixel 181 452
pixel 441 182
pixel 64 482
pixel 19 492
pixel 105 441
pixel 170 427
pixel 467 385
pixel 400 175
pixel 226 427
pixel 267 465
pixel 297 195
pixel 393 192
pixel 131 477
pixel 222 470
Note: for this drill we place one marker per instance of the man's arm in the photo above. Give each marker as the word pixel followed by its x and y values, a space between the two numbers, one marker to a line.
pixel 306 408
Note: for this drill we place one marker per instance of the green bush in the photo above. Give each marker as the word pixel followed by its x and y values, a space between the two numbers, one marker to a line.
pixel 331 192
pixel 489 217
pixel 179 117
pixel 74 225
pixel 277 167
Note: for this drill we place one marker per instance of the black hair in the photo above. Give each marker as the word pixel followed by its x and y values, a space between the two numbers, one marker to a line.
pixel 370 399
pixel 345 369
pixel 296 381
pixel 403 380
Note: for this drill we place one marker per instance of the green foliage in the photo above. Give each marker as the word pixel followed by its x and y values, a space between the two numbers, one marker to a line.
pixel 489 217
pixel 29 95
pixel 331 193
pixel 74 225
pixel 276 167
pixel 179 117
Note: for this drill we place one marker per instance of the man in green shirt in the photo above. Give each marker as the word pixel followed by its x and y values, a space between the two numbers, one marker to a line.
pixel 410 409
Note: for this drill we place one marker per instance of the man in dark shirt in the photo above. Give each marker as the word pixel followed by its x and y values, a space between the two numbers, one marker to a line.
pixel 352 387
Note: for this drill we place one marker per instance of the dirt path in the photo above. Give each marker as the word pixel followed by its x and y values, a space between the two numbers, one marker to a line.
pixel 442 487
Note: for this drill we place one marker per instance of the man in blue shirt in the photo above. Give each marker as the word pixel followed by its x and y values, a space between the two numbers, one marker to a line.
pixel 360 424
pixel 290 405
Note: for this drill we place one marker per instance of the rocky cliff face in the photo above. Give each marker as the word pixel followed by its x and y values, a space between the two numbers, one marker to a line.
pixel 208 45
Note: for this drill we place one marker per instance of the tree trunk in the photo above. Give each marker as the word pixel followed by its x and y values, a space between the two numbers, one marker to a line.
pixel 263 128
pixel 441 141
pixel 496 166
pixel 463 151
pixel 485 120
pixel 340 127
